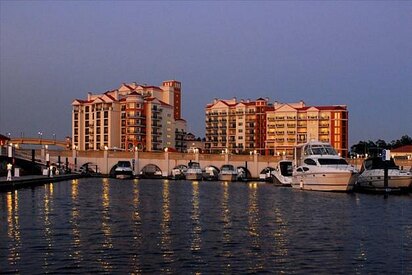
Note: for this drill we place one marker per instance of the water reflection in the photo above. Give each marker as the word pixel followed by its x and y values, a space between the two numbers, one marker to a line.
pixel 74 221
pixel 227 225
pixel 195 217
pixel 254 235
pixel 137 234
pixel 13 229
pixel 151 226
pixel 280 239
pixel 48 225
pixel 166 240
pixel 106 229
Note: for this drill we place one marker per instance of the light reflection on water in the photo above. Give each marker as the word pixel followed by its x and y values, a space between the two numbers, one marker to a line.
pixel 13 231
pixel 156 226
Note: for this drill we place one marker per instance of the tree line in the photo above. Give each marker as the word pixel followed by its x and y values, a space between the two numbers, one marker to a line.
pixel 375 148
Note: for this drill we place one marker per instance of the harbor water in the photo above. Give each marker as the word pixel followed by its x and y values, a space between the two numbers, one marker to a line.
pixel 96 225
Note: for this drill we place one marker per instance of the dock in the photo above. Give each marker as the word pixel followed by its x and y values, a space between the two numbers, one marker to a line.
pixel 33 180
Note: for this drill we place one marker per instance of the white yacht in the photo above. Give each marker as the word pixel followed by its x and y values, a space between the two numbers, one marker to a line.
pixel 282 175
pixel 320 168
pixel 194 172
pixel 371 176
pixel 178 173
pixel 228 173
pixel 123 170
pixel 210 173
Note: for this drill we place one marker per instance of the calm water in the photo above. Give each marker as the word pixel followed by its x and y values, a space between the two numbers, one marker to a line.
pixel 157 226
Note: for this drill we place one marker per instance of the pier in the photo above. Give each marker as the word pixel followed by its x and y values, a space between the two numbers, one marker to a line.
pixel 104 160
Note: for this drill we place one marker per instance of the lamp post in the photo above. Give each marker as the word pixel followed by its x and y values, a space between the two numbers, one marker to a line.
pixel 40 136
pixel 106 148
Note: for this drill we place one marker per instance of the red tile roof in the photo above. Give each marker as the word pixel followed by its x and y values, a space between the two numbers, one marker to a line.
pixel 403 149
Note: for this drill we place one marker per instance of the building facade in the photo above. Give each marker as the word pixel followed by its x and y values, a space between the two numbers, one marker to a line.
pixel 272 129
pixel 131 117
pixel 291 124
pixel 236 126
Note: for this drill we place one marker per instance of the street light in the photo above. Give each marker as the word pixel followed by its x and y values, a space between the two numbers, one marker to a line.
pixel 40 136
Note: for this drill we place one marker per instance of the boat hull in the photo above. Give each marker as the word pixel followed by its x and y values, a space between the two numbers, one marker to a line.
pixel 281 180
pixel 227 177
pixel 194 176
pixel 124 175
pixel 374 180
pixel 332 181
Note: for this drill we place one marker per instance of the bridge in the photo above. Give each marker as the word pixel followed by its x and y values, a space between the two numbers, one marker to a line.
pixel 38 141
pixel 166 161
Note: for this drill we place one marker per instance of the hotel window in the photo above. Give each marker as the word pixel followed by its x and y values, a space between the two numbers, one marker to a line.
pixel 98 115
pixel 106 114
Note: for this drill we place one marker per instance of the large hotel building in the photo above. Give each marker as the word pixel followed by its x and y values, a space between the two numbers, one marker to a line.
pixel 273 129
pixel 131 117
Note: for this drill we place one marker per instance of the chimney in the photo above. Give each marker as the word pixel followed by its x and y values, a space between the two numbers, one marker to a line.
pixel 89 96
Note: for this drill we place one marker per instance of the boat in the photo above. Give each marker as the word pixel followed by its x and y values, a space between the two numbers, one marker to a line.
pixel 151 171
pixel 242 173
pixel 282 174
pixel 228 173
pixel 266 174
pixel 372 173
pixel 211 173
pixel 194 172
pixel 320 168
pixel 123 170
pixel 178 173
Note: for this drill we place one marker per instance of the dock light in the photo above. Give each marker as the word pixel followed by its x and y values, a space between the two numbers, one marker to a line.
pixel 166 149
pixel 106 148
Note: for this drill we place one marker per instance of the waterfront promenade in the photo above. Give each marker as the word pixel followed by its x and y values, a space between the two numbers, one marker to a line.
pixel 165 161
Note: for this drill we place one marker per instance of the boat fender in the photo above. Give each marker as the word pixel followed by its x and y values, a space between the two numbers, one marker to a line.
pixel 301 184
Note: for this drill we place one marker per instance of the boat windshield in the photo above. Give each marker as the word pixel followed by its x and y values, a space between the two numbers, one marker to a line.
pixel 323 161
pixel 320 149
pixel 227 168
pixel 194 165
pixel 123 164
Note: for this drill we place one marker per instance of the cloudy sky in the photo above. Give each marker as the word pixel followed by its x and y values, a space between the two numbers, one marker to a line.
pixel 325 53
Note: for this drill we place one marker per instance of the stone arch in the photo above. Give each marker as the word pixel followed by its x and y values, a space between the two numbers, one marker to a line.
pixel 151 171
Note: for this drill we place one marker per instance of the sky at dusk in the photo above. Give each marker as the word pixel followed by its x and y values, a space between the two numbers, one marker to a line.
pixel 325 53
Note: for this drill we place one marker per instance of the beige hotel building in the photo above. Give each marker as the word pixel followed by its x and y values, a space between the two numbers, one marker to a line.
pixel 290 124
pixel 272 129
pixel 131 117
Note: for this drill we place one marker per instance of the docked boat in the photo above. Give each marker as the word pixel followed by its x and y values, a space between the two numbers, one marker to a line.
pixel 228 173
pixel 266 174
pixel 320 168
pixel 282 175
pixel 179 172
pixel 194 172
pixel 211 173
pixel 372 173
pixel 123 170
